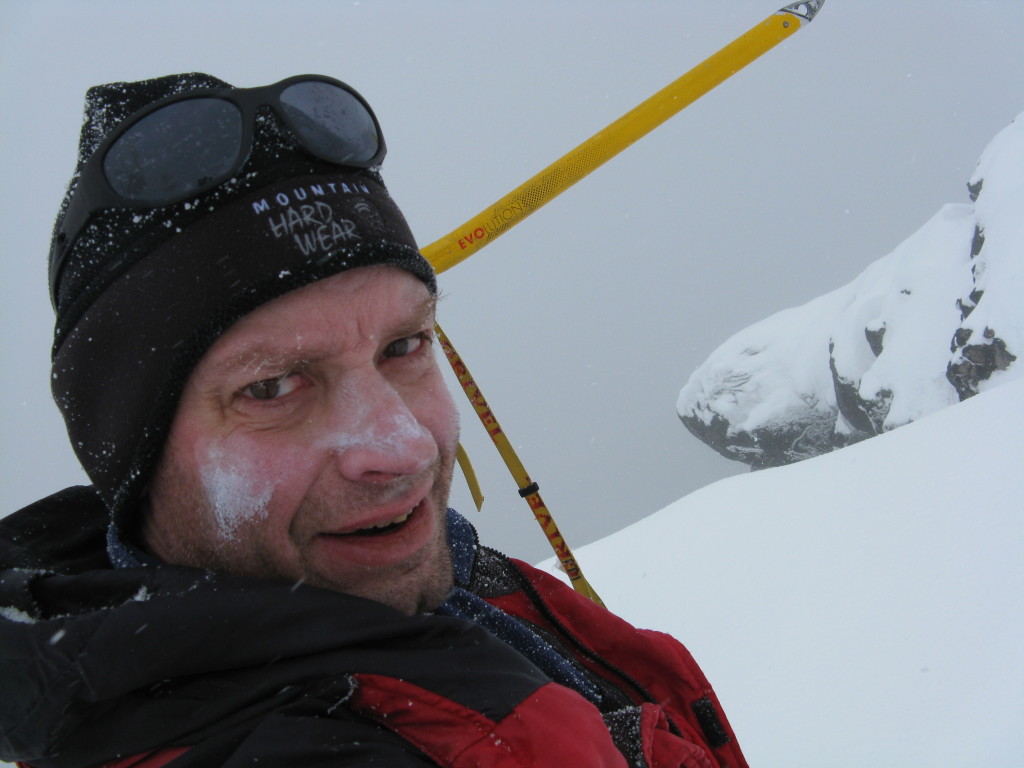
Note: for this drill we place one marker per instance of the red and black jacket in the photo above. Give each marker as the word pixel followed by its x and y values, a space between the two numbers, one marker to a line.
pixel 180 667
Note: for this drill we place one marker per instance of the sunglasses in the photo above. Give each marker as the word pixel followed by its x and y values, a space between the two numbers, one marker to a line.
pixel 192 142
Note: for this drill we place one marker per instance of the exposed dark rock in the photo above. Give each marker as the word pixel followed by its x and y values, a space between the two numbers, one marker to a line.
pixel 865 416
pixel 976 363
pixel 978 242
pixel 966 306
pixel 875 337
pixel 960 338
pixel 771 446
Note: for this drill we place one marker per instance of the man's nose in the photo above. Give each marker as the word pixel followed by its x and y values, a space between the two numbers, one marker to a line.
pixel 377 436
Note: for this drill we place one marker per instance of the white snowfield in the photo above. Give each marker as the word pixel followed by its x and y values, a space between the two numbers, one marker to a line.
pixel 861 608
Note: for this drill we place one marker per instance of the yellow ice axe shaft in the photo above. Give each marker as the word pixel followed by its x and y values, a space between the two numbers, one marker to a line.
pixel 498 218
pixel 480 230
pixel 528 489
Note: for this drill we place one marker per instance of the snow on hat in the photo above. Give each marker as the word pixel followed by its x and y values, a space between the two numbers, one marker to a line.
pixel 144 293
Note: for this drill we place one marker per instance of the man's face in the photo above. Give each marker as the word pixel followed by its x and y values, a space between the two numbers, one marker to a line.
pixel 315 442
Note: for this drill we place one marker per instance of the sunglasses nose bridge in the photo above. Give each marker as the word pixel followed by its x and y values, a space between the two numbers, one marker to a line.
pixel 266 131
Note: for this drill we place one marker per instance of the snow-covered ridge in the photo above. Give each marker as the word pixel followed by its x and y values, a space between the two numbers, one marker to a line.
pixel 860 608
pixel 937 320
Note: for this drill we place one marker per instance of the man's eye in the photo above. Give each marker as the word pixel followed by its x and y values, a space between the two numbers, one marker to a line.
pixel 271 389
pixel 403 347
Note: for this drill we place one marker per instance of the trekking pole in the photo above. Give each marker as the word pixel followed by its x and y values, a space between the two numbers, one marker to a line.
pixel 504 214
pixel 528 489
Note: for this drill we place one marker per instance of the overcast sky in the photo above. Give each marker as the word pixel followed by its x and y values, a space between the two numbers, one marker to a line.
pixel 582 323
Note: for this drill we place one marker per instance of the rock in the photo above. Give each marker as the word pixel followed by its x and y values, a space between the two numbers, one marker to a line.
pixel 930 324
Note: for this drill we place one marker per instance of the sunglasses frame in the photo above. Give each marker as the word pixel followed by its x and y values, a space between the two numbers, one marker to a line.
pixel 94 193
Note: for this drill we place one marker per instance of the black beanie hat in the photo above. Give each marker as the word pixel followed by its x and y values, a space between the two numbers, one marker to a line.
pixel 143 294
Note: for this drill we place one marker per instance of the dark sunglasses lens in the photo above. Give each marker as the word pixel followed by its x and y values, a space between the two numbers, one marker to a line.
pixel 332 123
pixel 176 150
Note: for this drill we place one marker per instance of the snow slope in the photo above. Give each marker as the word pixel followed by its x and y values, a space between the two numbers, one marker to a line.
pixel 859 608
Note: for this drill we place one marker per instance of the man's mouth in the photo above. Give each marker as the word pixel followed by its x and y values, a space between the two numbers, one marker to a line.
pixel 382 539
pixel 385 527
pixel 382 528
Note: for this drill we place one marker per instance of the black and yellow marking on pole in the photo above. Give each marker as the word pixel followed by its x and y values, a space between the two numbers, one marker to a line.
pixel 528 489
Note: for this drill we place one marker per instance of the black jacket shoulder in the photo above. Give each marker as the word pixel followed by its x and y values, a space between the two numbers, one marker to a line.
pixel 63 533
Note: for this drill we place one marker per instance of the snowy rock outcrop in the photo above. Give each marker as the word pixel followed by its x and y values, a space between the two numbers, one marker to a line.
pixel 936 321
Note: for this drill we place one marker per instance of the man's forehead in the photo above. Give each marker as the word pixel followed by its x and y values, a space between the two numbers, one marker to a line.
pixel 269 344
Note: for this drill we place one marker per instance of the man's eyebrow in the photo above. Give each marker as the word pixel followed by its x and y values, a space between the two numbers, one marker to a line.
pixel 258 355
pixel 255 358
pixel 428 310
pixel 418 316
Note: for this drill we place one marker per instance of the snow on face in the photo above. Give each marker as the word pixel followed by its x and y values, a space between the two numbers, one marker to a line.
pixel 235 491
pixel 239 488
pixel 369 431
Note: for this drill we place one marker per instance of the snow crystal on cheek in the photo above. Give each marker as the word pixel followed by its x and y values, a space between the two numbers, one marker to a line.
pixel 236 494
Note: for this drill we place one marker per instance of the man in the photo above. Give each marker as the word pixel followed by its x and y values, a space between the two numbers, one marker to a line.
pixel 265 571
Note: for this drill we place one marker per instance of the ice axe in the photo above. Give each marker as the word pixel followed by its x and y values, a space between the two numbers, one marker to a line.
pixel 468 238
